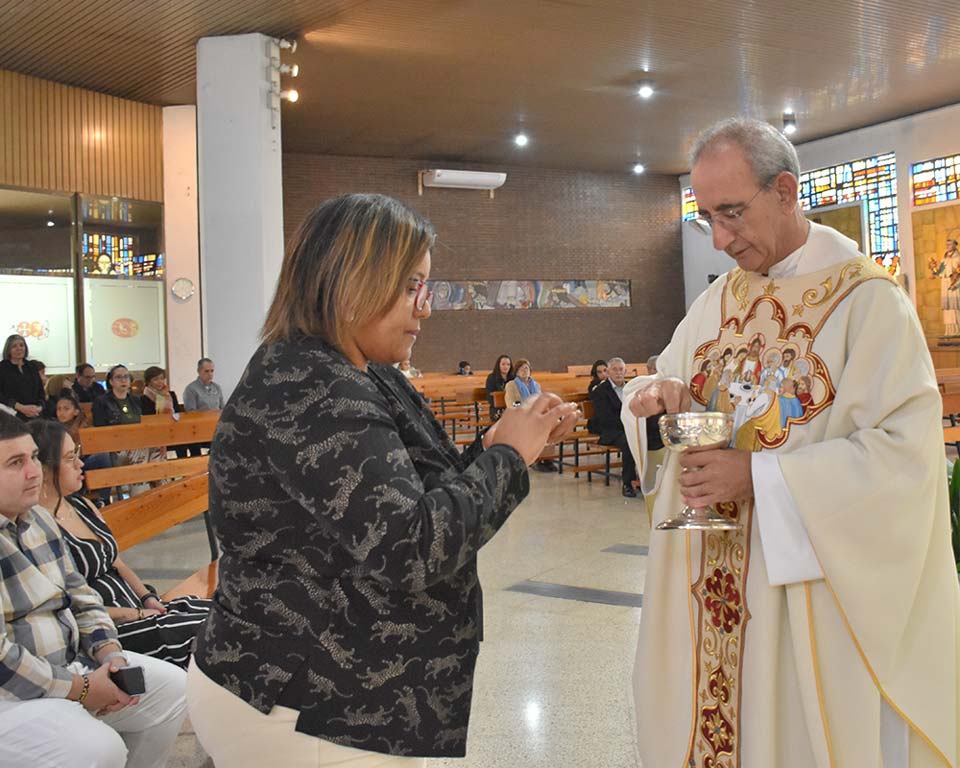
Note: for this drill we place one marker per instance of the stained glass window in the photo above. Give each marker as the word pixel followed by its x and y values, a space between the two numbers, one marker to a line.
pixel 935 181
pixel 689 204
pixel 873 179
pixel 105 254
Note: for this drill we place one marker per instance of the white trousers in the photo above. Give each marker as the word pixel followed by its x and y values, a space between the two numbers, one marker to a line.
pixel 236 735
pixel 53 733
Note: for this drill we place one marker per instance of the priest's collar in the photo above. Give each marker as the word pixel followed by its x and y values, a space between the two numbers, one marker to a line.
pixel 788 266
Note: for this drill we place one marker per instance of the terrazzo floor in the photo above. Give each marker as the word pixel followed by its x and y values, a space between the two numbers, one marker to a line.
pixel 553 682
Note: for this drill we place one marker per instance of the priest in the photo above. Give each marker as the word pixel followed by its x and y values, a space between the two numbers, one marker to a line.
pixel 826 630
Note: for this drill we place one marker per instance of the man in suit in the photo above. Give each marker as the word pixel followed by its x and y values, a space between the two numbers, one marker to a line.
pixel 607 401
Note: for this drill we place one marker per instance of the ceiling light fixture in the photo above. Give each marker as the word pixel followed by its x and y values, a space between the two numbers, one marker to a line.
pixel 292 70
pixel 292 95
pixel 789 122
pixel 290 45
pixel 638 168
pixel 51 224
pixel 645 90
pixel 521 140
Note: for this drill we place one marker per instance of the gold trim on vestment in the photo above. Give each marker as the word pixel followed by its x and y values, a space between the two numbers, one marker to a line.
pixel 816 672
pixel 876 680
pixel 693 650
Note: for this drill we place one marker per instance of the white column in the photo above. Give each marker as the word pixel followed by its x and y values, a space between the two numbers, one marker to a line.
pixel 181 242
pixel 241 205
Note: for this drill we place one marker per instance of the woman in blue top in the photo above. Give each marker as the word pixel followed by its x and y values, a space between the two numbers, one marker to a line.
pixel 521 386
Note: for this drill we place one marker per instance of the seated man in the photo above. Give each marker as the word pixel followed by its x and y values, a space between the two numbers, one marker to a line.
pixel 85 386
pixel 607 401
pixel 58 646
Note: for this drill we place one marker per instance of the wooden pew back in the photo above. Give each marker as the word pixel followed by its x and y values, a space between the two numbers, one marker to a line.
pixel 151 432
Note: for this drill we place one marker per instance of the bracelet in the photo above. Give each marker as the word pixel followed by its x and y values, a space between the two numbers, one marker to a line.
pixel 144 598
pixel 85 690
pixel 139 613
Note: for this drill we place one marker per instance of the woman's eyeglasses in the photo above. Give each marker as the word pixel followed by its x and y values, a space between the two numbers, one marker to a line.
pixel 422 295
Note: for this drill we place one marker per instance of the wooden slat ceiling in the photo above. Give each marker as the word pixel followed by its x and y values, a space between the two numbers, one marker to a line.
pixel 453 80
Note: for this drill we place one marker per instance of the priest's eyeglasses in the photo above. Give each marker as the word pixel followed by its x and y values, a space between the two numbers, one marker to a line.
pixel 420 292
pixel 731 219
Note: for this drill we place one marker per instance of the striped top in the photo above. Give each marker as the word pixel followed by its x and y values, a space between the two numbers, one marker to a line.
pixel 95 559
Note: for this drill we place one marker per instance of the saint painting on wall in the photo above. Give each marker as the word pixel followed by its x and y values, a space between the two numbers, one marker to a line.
pixel 936 248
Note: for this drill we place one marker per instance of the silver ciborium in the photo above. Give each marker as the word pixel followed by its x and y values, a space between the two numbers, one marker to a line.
pixel 697 432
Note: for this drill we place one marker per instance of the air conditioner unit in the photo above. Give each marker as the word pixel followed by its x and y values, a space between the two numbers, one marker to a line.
pixel 462 179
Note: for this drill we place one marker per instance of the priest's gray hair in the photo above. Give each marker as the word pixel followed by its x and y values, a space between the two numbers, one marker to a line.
pixel 613 360
pixel 766 149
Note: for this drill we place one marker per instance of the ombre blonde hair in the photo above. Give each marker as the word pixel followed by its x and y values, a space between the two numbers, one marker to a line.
pixel 347 265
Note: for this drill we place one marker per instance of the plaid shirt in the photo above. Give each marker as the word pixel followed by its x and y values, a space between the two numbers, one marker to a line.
pixel 50 615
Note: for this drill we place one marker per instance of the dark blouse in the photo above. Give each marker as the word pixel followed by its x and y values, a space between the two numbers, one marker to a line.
pixel 22 386
pixel 109 412
pixel 349 526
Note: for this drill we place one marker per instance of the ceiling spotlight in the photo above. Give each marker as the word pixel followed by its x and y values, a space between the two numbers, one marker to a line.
pixel 521 140
pixel 292 70
pixel 645 90
pixel 789 122
pixel 290 45
pixel 638 168
pixel 51 224
pixel 292 95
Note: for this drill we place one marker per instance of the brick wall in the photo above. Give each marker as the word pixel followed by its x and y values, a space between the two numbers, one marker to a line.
pixel 549 224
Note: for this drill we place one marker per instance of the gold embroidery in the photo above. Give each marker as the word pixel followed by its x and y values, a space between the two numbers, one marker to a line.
pixel 770 288
pixel 739 287
pixel 851 270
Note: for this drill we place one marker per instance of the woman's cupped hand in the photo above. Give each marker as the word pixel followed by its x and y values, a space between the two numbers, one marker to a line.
pixel 539 420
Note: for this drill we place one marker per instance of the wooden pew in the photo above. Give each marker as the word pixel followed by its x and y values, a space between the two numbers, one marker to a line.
pixel 141 517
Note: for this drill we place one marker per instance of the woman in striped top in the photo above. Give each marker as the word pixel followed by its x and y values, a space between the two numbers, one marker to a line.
pixel 145 624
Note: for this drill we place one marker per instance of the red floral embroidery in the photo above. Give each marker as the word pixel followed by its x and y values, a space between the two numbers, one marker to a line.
pixel 716 730
pixel 722 598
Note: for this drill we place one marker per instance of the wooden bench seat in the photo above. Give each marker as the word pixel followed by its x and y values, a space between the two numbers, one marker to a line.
pixel 202 584
pixel 141 517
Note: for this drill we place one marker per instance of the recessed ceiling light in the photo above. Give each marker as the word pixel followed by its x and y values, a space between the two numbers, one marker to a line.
pixel 789 123
pixel 521 140
pixel 645 90
pixel 638 168
pixel 51 224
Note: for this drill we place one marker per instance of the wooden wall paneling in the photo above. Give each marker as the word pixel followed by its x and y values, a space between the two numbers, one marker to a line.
pixel 59 138
pixel 6 115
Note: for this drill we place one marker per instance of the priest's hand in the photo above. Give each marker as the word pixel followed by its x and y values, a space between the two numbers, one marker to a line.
pixel 721 474
pixel 663 396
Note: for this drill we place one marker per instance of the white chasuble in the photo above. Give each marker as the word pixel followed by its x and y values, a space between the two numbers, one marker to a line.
pixel 856 625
